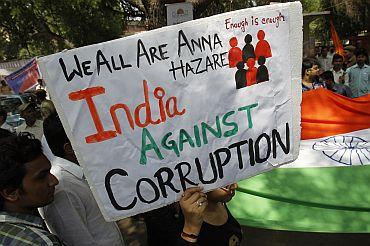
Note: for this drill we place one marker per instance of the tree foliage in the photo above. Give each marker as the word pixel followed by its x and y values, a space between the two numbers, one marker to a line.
pixel 38 27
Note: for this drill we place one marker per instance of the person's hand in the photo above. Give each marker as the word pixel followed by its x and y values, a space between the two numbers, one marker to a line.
pixel 341 79
pixel 193 203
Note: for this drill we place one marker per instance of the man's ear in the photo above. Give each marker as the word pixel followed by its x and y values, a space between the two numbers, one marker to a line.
pixel 67 147
pixel 10 194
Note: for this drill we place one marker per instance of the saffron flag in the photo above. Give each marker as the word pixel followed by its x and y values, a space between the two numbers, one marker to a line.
pixel 330 194
pixel 25 78
pixel 336 40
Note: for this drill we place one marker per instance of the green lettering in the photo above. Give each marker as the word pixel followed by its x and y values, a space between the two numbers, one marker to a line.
pixel 215 133
pixel 170 145
pixel 183 138
pixel 249 116
pixel 146 147
pixel 234 130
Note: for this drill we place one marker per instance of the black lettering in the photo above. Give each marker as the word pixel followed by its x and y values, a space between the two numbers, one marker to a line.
pixel 239 152
pixel 183 178
pixel 153 51
pixel 200 172
pixel 173 69
pixel 162 53
pixel 186 43
pixel 257 148
pixel 101 60
pixel 276 136
pixel 221 164
pixel 251 152
pixel 141 48
pixel 152 184
pixel 114 64
pixel 162 184
pixel 223 58
pixel 86 67
pixel 108 187
pixel 123 65
pixel 77 72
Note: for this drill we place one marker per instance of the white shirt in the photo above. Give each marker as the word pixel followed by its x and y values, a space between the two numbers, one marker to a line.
pixel 36 129
pixel 74 215
pixel 337 75
pixel 326 63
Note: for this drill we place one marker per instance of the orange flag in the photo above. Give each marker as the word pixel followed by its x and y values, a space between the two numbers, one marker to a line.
pixel 336 40
pixel 325 113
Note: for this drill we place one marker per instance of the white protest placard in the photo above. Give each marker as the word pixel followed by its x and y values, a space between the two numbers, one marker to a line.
pixel 207 102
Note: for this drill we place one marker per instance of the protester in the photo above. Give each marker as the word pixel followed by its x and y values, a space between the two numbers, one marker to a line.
pixel 47 108
pixel 337 70
pixel 202 220
pixel 25 185
pixel 41 95
pixel 3 124
pixel 324 59
pixel 350 58
pixel 32 125
pixel 74 215
pixel 341 89
pixel 310 73
pixel 359 75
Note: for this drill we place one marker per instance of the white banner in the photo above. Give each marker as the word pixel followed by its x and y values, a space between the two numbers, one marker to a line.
pixel 206 102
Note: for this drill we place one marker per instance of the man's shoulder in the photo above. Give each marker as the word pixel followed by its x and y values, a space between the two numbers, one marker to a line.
pixel 22 234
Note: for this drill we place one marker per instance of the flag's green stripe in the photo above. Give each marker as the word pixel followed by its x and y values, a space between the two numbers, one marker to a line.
pixel 304 203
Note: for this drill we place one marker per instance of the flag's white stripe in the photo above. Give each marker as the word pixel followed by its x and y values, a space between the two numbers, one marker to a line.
pixel 348 149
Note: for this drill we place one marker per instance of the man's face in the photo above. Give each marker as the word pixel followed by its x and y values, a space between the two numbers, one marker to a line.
pixel 338 63
pixel 324 52
pixel 348 54
pixel 360 59
pixel 29 115
pixel 38 184
pixel 313 71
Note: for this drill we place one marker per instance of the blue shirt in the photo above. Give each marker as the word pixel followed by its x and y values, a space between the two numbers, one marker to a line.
pixel 359 80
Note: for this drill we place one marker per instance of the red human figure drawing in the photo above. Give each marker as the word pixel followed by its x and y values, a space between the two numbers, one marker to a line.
pixel 251 72
pixel 235 53
pixel 263 47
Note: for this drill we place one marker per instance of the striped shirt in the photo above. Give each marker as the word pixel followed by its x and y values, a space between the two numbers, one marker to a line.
pixel 24 229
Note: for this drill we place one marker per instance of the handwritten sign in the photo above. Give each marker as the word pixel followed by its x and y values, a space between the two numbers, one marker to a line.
pixel 207 102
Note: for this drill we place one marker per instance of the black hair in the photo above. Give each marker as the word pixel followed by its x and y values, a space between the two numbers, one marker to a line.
pixel 307 63
pixel 336 57
pixel 15 152
pixel 3 113
pixel 361 51
pixel 41 94
pixel 4 133
pixel 55 135
pixel 327 75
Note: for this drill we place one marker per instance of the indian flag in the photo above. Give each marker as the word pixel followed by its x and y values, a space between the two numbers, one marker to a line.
pixel 335 130
pixel 326 189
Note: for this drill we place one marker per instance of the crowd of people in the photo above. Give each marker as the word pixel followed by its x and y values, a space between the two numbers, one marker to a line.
pixel 45 198
pixel 348 76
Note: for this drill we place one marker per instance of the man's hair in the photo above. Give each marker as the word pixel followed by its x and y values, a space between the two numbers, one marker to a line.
pixel 361 51
pixel 55 135
pixel 308 63
pixel 327 75
pixel 337 56
pixel 3 113
pixel 15 152
pixel 41 94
